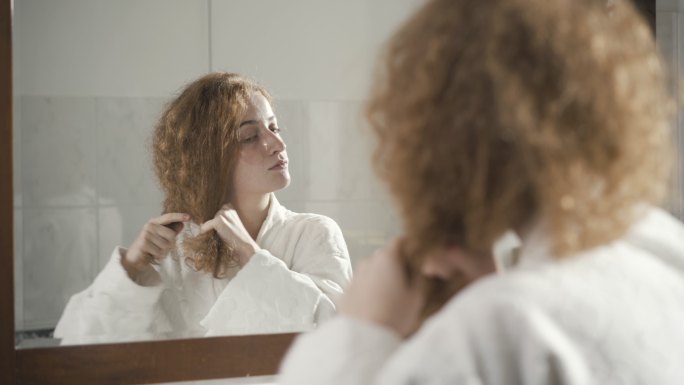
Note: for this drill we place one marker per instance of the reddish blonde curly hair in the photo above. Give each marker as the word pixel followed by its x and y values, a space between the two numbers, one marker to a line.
pixel 492 113
pixel 195 149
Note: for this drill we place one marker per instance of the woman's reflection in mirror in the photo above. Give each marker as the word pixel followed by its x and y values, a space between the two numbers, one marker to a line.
pixel 225 258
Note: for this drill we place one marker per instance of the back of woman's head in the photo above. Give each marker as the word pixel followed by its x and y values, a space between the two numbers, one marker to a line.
pixel 493 113
pixel 195 148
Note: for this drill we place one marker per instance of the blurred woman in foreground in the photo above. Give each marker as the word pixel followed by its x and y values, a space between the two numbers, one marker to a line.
pixel 543 119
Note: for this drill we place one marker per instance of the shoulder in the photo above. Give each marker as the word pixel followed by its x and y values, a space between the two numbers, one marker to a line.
pixel 563 313
pixel 310 222
pixel 538 310
pixel 314 231
pixel 548 309
pixel 493 327
pixel 474 326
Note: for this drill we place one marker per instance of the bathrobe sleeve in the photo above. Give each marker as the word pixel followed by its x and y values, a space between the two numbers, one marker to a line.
pixel 114 309
pixel 508 343
pixel 344 351
pixel 267 296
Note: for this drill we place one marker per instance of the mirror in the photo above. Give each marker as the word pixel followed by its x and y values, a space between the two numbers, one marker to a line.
pixel 91 79
pixel 321 76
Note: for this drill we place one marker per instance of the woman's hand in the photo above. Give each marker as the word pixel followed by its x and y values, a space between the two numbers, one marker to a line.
pixel 229 227
pixel 380 292
pixel 157 238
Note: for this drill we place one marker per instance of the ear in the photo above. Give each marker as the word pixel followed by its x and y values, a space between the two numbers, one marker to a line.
pixel 443 263
pixel 448 262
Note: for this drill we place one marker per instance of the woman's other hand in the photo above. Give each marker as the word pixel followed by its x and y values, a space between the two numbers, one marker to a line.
pixel 381 293
pixel 229 227
pixel 156 239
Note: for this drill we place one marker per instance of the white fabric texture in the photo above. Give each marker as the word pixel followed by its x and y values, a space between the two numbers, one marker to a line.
pixel 290 285
pixel 612 315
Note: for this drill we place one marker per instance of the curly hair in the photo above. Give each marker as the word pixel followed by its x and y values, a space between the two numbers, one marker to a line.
pixel 195 149
pixel 491 114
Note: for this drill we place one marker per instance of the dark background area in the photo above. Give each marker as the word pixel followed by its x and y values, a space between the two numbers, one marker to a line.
pixel 648 10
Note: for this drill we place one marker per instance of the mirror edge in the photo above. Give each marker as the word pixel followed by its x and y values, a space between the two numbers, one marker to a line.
pixel 7 375
pixel 153 362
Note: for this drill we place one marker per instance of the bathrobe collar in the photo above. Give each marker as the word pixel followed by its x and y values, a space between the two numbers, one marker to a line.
pixel 511 251
pixel 656 232
pixel 275 217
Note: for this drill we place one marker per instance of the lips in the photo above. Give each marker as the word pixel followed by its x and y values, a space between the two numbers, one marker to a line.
pixel 280 165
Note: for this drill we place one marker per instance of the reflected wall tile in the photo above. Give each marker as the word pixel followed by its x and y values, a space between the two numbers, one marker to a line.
pixel 666 36
pixel 337 153
pixel 366 225
pixel 124 159
pixel 359 248
pixel 384 223
pixel 18 271
pixel 59 254
pixel 362 249
pixel 668 39
pixel 104 47
pixel 323 158
pixel 296 206
pixel 377 187
pixel 290 60
pixel 119 226
pixel 387 16
pixel 383 219
pixel 352 217
pixel 293 119
pixel 357 143
pixel 57 151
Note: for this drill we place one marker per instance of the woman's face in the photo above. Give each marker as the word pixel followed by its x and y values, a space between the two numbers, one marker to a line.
pixel 262 164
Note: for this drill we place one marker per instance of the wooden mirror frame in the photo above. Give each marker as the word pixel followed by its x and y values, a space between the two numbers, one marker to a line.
pixel 127 363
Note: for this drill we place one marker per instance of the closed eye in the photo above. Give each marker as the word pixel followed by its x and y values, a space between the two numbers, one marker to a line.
pixel 249 139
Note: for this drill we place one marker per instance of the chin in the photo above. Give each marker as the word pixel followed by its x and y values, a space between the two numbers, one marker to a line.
pixel 285 183
pixel 282 183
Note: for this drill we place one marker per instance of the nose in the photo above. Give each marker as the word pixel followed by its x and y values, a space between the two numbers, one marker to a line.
pixel 274 143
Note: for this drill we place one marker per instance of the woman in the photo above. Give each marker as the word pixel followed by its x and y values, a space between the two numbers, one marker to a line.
pixel 545 118
pixel 226 257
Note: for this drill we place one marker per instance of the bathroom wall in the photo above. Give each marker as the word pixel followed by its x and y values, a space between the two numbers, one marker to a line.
pixel 91 77
pixel 670 39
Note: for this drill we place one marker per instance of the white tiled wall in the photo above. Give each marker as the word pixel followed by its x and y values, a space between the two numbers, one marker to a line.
pixel 124 169
pixel 117 48
pixel 670 38
pixel 91 77
pixel 18 268
pixel 57 151
pixel 305 49
pixel 300 48
pixel 119 225
pixel 16 147
pixel 58 260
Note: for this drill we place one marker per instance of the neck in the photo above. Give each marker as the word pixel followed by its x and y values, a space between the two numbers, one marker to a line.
pixel 252 210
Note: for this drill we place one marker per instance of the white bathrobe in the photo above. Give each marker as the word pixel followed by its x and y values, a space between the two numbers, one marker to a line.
pixel 290 285
pixel 611 316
